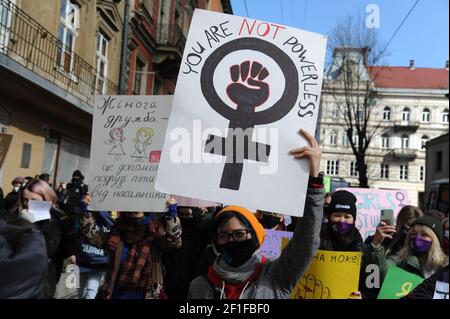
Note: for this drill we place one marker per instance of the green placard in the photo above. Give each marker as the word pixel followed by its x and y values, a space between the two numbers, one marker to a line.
pixel 398 283
pixel 327 182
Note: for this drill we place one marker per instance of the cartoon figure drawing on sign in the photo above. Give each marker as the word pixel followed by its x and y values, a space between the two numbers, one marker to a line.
pixel 248 91
pixel 312 288
pixel 116 139
pixel 142 140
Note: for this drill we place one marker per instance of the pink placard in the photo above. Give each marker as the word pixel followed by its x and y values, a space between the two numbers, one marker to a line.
pixel 192 202
pixel 369 204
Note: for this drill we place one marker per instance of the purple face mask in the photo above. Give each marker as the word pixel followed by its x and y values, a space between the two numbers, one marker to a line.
pixel 420 245
pixel 341 228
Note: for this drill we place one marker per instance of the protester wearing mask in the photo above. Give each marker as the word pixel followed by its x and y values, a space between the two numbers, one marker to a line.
pixel 270 220
pixel 12 198
pixel 393 238
pixel 135 246
pixel 75 192
pixel 23 260
pixel 421 254
pixel 340 232
pixel 60 236
pixel 241 271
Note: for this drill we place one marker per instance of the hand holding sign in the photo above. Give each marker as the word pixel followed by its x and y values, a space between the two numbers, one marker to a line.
pixel 312 152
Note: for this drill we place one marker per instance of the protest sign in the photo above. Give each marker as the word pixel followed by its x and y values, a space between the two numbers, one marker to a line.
pixel 244 90
pixel 398 283
pixel 369 204
pixel 38 210
pixel 127 138
pixel 441 290
pixel 192 202
pixel 272 246
pixel 331 275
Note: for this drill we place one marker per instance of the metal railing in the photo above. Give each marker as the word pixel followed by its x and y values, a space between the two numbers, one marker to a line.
pixel 27 42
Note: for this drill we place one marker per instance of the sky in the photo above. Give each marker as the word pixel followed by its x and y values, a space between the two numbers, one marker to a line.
pixel 424 37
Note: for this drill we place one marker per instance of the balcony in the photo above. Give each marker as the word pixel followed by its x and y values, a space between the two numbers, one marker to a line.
pixel 407 154
pixel 28 43
pixel 171 38
pixel 406 126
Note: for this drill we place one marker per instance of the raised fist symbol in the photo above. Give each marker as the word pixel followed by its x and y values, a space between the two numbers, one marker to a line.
pixel 248 89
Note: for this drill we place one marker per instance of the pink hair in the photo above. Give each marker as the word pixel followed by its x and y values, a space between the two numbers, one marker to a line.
pixel 111 136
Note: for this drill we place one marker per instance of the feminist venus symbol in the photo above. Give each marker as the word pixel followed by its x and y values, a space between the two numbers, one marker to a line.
pixel 244 118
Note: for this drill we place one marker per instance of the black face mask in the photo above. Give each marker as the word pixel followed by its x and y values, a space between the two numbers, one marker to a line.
pixel 237 253
pixel 270 221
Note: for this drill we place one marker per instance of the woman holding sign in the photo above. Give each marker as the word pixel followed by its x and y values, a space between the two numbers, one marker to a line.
pixel 241 271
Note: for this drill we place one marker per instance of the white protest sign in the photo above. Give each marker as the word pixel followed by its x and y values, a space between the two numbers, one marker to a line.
pixel 37 210
pixel 441 291
pixel 127 138
pixel 244 90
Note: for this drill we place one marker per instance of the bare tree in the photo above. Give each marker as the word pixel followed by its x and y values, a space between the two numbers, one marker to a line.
pixel 350 83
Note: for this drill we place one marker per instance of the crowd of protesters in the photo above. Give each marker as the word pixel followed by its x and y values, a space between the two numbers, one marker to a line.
pixel 198 252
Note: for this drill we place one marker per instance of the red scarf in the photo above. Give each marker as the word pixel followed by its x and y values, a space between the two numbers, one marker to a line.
pixel 233 291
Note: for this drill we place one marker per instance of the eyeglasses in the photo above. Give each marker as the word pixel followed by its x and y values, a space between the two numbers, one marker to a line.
pixel 237 235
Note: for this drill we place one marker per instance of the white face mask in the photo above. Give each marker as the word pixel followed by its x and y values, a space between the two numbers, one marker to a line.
pixel 16 188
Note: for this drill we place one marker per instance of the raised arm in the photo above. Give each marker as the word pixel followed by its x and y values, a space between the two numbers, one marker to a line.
pixel 296 257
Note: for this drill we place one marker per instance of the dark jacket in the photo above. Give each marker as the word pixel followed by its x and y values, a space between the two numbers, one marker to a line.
pixel 61 242
pixel 23 261
pixel 181 264
pixel 427 288
pixel 11 200
pixel 93 254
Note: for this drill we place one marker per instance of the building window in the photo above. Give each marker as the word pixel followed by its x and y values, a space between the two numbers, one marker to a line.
pixel 102 63
pixel 421 173
pixel 332 168
pixel 445 116
pixel 333 137
pixel 406 114
pixel 404 172
pixel 354 169
pixel 438 161
pixel 385 141
pixel 68 25
pixel 356 139
pixel 345 139
pixel 426 116
pixel 405 141
pixel 334 111
pixel 424 141
pixel 26 155
pixel 140 77
pixel 359 113
pixel 387 114
pixel 384 171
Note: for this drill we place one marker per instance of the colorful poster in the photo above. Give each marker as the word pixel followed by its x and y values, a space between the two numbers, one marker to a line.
pixel 273 243
pixel 127 139
pixel 398 283
pixel 331 275
pixel 244 90
pixel 369 204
